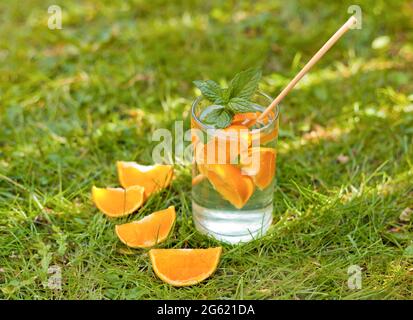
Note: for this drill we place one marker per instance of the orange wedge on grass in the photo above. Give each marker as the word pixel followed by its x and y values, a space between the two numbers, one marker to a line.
pixel 184 267
pixel 264 174
pixel 178 267
pixel 118 202
pixel 153 178
pixel 148 231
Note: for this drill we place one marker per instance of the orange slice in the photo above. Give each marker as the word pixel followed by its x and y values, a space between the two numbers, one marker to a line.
pixel 229 182
pixel 198 179
pixel 153 178
pixel 148 231
pixel 225 146
pixel 270 136
pixel 118 202
pixel 184 267
pixel 241 133
pixel 264 174
pixel 239 118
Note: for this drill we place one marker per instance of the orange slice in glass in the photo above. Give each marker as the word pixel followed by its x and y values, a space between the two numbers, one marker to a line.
pixel 239 118
pixel 263 174
pixel 118 202
pixel 153 178
pixel 224 147
pixel 269 136
pixel 148 231
pixel 184 267
pixel 229 182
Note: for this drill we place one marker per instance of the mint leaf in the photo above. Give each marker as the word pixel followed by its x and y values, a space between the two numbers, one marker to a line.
pixel 245 83
pixel 219 118
pixel 240 105
pixel 209 89
pixel 225 96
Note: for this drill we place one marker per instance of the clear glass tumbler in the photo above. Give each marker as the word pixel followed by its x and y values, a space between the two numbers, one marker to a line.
pixel 234 173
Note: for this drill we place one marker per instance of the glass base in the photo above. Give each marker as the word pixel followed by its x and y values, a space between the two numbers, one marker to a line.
pixel 232 226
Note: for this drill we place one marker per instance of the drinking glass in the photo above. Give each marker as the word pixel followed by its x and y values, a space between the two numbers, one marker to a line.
pixel 234 172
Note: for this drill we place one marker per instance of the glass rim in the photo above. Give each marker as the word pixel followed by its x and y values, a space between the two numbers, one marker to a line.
pixel 206 126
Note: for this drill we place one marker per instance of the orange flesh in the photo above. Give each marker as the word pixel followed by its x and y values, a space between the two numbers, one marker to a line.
pixel 184 267
pixel 226 179
pixel 224 147
pixel 239 118
pixel 251 117
pixel 118 202
pixel 263 175
pixel 152 178
pixel 198 179
pixel 229 182
pixel 148 231
pixel 264 138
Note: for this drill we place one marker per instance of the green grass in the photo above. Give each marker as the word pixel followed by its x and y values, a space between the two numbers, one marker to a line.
pixel 74 101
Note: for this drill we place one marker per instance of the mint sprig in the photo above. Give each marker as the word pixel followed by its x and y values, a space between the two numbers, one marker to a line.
pixel 236 98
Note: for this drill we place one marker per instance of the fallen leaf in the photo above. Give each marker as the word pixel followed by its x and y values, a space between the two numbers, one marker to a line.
pixel 343 159
pixel 126 251
pixel 394 229
pixel 405 215
pixel 265 291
